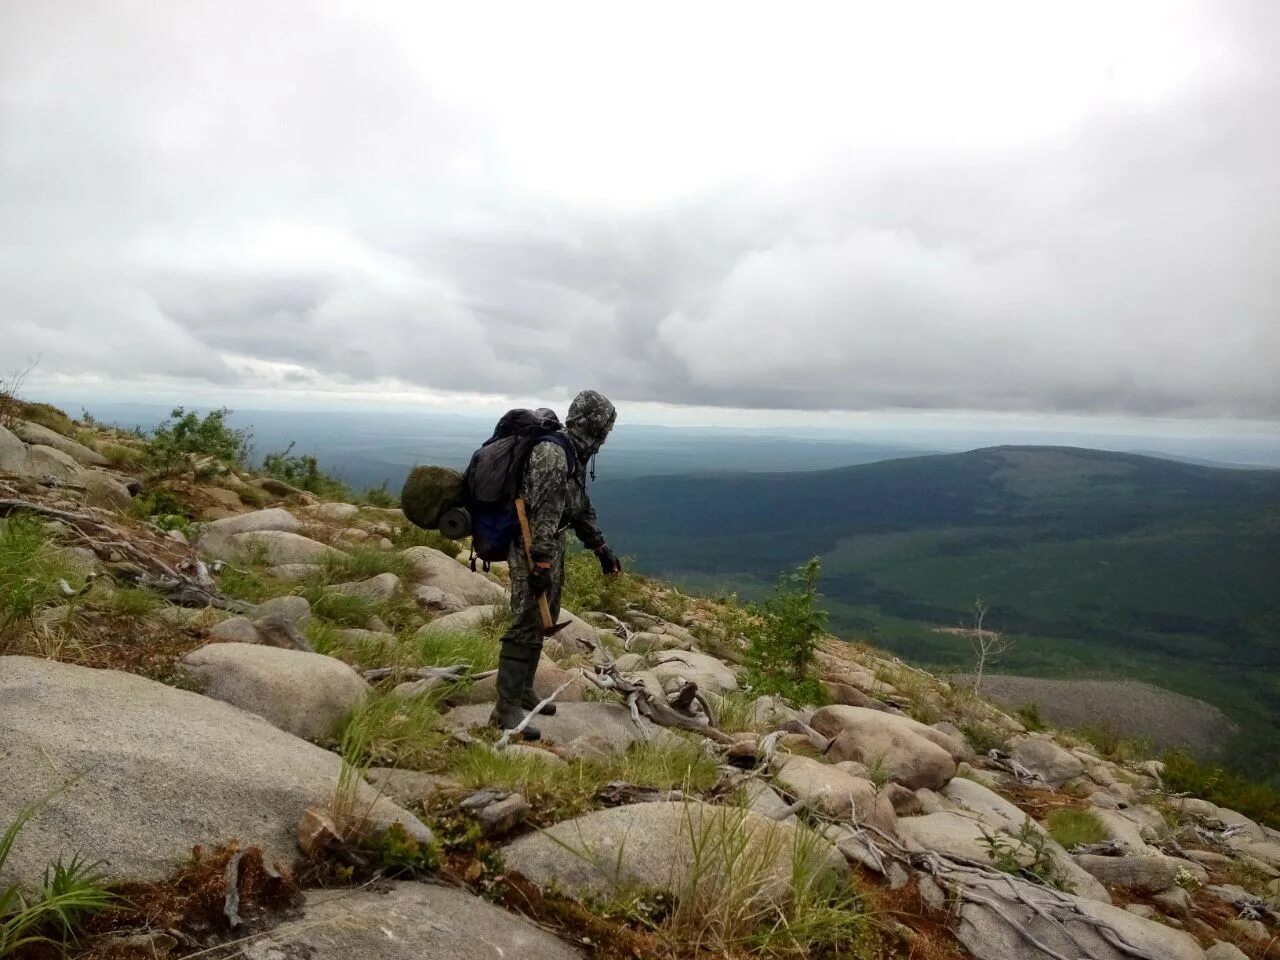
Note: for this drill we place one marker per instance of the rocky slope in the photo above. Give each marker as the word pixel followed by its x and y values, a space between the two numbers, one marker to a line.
pixel 281 707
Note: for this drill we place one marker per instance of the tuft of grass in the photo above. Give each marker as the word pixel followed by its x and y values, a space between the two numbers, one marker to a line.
pixel 361 563
pixel 476 649
pixel 394 731
pixel 408 535
pixel 1031 717
pixel 1112 744
pixel 736 712
pixel 127 602
pixel 560 790
pixel 30 568
pixel 1073 828
pixel 250 585
pixel 728 903
pixel 983 736
pixel 70 893
pixel 121 456
pixel 587 588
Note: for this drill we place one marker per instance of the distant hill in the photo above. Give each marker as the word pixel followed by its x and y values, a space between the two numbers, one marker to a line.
pixel 1105 564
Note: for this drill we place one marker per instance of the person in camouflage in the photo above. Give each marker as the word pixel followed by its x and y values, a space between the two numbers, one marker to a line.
pixel 556 499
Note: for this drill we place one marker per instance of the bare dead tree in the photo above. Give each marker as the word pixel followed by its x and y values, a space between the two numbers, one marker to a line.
pixel 10 387
pixel 988 645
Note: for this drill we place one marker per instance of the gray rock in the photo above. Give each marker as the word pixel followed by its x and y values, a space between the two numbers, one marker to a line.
pixel 710 674
pixel 295 572
pixel 407 786
pixel 34 433
pixel 436 601
pixel 652 846
pixel 957 835
pixel 1175 901
pixel 909 752
pixel 1143 874
pixel 411 921
pixel 607 724
pixel 215 537
pixel 275 630
pixel 274 547
pixel 294 609
pixel 990 937
pixel 332 512
pixel 463 621
pixel 235 630
pixel 379 588
pixel 45 461
pixel 1225 951
pixel 104 491
pixel 435 569
pixel 833 792
pixel 306 694
pixel 13 452
pixel 137 773
pixel 1041 755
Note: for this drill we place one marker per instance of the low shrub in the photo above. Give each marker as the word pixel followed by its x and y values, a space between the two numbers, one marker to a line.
pixel 186 435
pixel 587 588
pixel 304 472
pixel 783 633
pixel 1258 801
pixel 1073 828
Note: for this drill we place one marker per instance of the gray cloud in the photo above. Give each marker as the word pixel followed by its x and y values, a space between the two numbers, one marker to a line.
pixel 243 195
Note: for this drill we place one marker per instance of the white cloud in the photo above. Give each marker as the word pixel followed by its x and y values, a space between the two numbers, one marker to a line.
pixel 924 205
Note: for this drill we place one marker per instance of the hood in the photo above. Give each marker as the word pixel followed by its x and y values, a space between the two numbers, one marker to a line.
pixel 591 417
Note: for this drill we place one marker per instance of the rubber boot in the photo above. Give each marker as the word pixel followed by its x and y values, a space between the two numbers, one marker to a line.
pixel 530 699
pixel 513 663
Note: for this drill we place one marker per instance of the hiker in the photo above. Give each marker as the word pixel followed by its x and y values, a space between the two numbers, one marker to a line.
pixel 556 499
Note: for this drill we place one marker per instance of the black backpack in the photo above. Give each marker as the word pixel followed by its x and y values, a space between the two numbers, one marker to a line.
pixel 493 477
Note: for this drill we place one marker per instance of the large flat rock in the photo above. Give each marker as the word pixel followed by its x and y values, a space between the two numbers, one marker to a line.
pixel 666 846
pixel 306 694
pixel 908 752
pixel 607 724
pixel 436 569
pixel 410 921
pixel 35 433
pixel 137 772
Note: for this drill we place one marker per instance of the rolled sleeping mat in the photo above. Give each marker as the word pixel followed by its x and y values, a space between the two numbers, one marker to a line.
pixel 455 523
pixel 428 492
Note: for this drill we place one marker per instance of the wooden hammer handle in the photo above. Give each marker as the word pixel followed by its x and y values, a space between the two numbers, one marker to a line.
pixel 526 535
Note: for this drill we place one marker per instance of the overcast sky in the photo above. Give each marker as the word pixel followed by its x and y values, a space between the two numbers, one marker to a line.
pixel 1024 208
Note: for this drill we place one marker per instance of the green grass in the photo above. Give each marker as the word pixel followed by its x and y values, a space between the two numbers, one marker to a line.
pixel 476 649
pixel 560 790
pixel 361 563
pixel 393 731
pixel 735 712
pixel 30 567
pixel 251 585
pixel 407 535
pixel 587 588
pixel 126 601
pixel 1075 827
pixel 71 892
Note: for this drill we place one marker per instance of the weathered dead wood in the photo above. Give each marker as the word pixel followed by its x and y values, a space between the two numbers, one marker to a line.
pixel 455 673
pixel 505 740
pixel 231 899
pixel 619 792
pixel 643 702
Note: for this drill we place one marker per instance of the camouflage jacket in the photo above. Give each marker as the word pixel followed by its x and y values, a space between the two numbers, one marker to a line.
pixel 555 500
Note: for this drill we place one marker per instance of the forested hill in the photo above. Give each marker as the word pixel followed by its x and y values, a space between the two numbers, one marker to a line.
pixel 998 496
pixel 1104 564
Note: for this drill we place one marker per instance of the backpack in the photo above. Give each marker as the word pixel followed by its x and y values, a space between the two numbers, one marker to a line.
pixel 493 477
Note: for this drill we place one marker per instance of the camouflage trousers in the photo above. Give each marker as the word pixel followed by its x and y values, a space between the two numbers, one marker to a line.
pixel 526 621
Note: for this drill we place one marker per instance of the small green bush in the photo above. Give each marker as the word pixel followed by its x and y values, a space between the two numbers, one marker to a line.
pixel 1031 717
pixel 71 892
pixel 1258 801
pixel 30 568
pixel 587 588
pixel 1072 828
pixel 186 434
pixel 304 473
pixel 379 496
pixel 784 632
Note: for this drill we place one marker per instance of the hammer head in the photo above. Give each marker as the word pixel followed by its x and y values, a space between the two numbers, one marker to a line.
pixel 555 628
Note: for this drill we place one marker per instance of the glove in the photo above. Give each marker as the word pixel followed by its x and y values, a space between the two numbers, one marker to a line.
pixel 540 576
pixel 609 562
